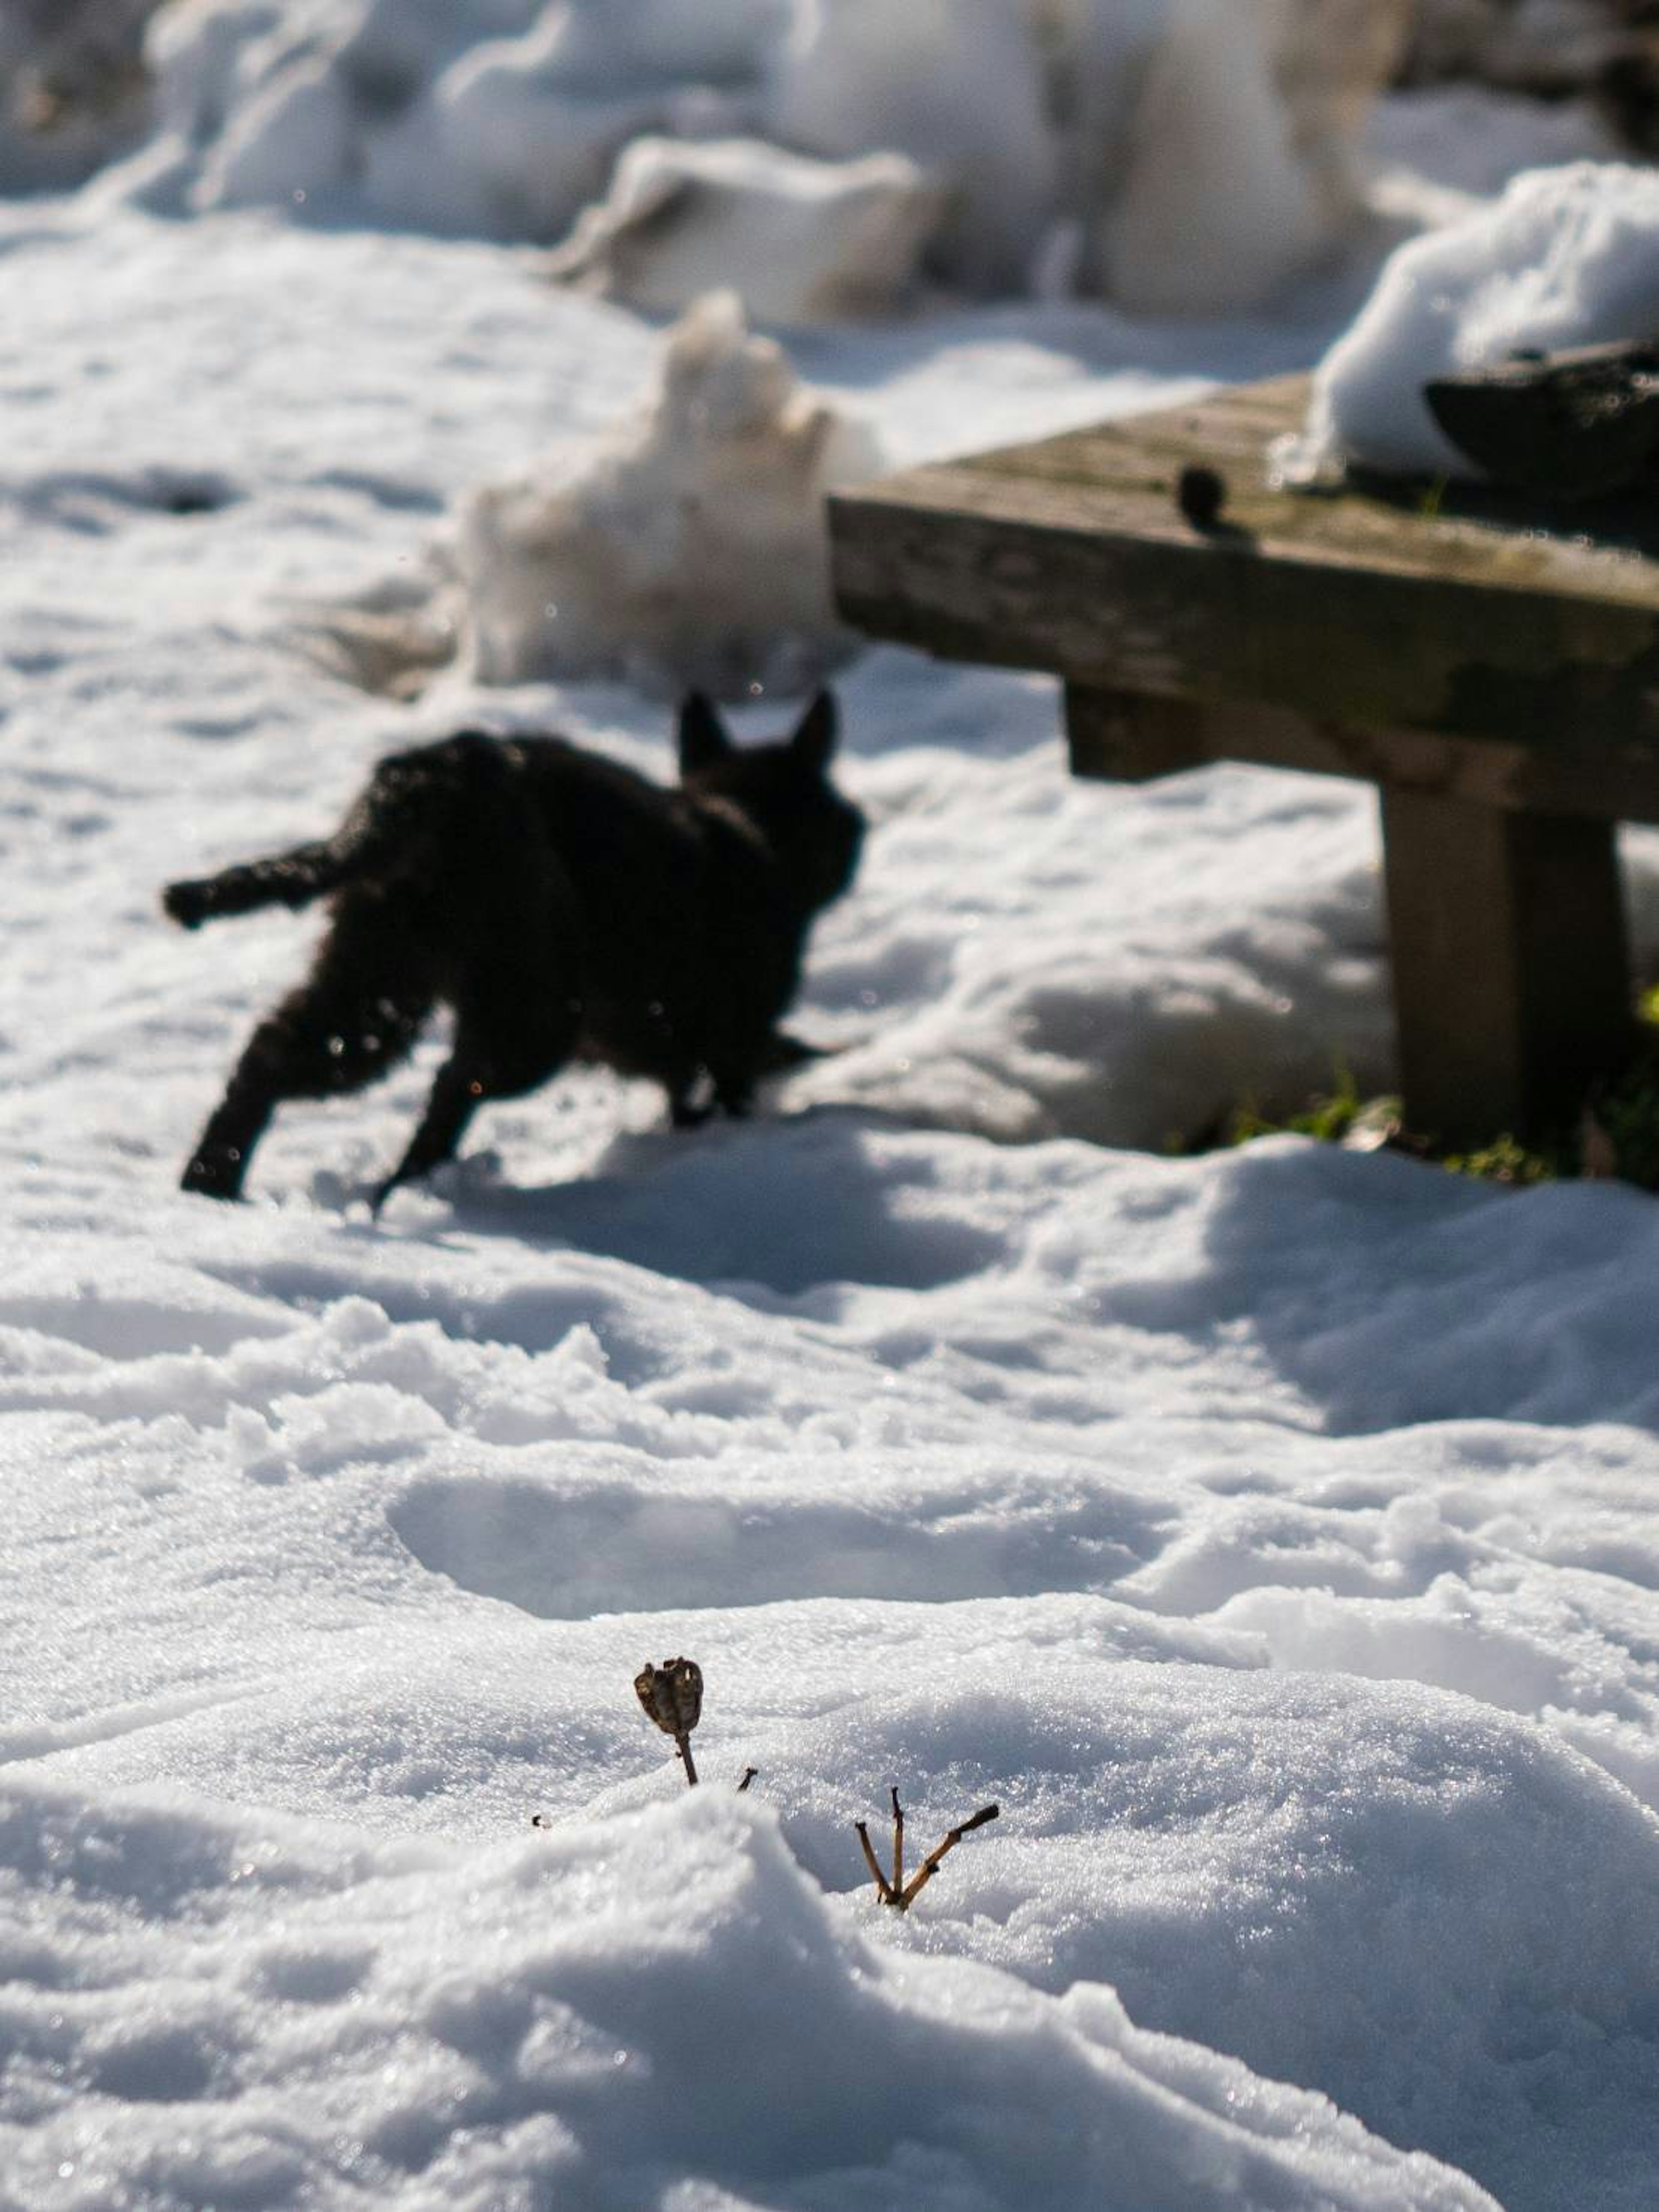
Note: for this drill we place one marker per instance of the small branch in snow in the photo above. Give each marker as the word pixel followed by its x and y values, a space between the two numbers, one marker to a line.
pixel 929 1866
pixel 897 1893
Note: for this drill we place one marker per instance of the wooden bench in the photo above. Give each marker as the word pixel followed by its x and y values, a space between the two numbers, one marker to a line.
pixel 1496 678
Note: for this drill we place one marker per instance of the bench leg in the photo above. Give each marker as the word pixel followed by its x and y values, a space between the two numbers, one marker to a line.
pixel 1512 963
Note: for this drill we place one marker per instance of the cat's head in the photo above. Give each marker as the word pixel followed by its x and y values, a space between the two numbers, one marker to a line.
pixel 783 789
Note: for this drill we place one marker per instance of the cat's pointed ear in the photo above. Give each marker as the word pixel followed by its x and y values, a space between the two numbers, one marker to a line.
pixel 703 738
pixel 814 741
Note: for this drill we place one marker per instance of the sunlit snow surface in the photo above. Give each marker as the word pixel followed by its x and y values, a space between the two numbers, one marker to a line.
pixel 1271 1534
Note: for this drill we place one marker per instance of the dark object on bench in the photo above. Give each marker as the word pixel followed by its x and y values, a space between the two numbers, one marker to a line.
pixel 1201 494
pixel 1494 674
pixel 1579 425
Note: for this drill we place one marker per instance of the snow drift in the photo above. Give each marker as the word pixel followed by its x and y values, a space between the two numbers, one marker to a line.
pixel 1181 154
pixel 658 2009
pixel 816 241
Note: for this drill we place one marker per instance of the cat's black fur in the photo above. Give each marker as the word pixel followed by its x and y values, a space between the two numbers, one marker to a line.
pixel 564 907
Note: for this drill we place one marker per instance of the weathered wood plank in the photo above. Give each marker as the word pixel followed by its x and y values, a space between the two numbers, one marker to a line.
pixel 1071 554
pixel 1511 970
pixel 1218 622
pixel 1121 476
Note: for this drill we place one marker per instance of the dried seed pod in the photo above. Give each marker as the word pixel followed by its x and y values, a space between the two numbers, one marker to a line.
pixel 671 1695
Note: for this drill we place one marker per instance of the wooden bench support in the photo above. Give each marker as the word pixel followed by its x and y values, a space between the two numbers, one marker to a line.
pixel 1511 965
pixel 1506 921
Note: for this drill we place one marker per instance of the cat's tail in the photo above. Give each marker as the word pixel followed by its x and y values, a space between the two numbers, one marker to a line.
pixel 292 879
pixel 389 833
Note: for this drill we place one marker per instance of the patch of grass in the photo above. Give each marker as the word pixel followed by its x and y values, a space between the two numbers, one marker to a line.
pixel 1617 1135
pixel 1329 1116
pixel 1505 1159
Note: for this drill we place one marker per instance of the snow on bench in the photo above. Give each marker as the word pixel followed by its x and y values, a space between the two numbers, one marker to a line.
pixel 1492 667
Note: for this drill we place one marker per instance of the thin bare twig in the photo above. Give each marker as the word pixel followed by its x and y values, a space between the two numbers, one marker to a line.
pixel 929 1866
pixel 884 1888
pixel 897 1893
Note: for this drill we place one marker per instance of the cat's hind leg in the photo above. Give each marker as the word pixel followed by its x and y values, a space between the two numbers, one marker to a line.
pixel 352 1020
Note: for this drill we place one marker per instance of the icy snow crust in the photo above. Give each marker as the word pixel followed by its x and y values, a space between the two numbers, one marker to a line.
pixel 1270 1533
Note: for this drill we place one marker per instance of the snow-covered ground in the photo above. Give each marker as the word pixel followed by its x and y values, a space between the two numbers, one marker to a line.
pixel 1270 1533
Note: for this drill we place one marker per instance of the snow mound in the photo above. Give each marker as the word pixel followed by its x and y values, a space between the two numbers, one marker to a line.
pixel 815 241
pixel 1188 153
pixel 1290 1859
pixel 661 2009
pixel 499 118
pixel 1331 61
pixel 955 84
pixel 687 549
pixel 522 132
pixel 1567 256
pixel 1240 164
pixel 1217 210
pixel 1182 155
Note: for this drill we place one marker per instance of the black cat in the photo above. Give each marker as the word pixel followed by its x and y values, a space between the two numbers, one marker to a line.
pixel 565 908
